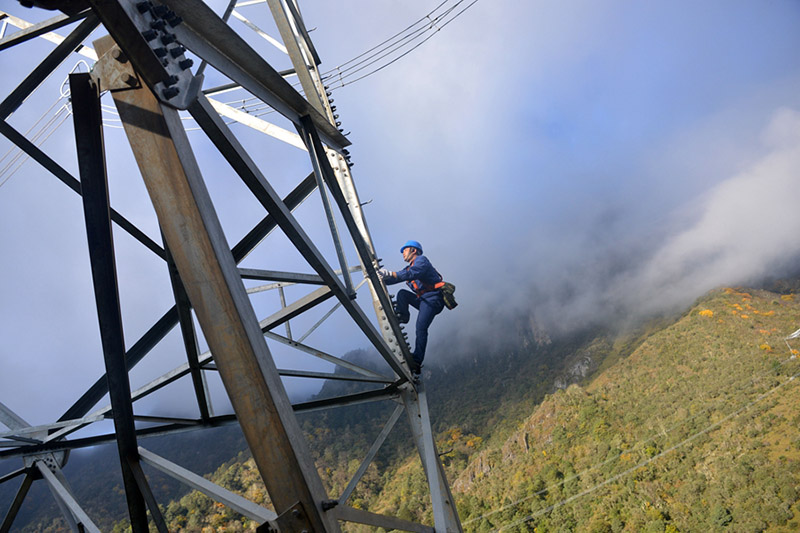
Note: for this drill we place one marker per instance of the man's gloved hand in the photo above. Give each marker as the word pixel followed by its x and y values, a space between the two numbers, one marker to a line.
pixel 383 273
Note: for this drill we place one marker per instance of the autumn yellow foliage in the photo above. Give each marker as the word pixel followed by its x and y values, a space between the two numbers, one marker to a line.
pixel 706 312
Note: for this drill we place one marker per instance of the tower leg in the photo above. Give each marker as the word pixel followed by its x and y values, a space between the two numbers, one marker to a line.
pixel 207 268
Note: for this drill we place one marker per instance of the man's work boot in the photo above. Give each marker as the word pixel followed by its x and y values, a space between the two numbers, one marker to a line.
pixel 402 318
pixel 416 368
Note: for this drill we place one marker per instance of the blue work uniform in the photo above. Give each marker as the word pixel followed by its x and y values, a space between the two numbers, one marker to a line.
pixel 421 278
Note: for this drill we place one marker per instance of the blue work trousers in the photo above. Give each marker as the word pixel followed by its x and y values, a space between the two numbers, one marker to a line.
pixel 428 305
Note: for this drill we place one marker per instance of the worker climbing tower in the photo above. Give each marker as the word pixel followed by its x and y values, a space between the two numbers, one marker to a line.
pixel 152 65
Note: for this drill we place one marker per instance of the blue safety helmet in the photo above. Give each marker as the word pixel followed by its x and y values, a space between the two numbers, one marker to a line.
pixel 413 244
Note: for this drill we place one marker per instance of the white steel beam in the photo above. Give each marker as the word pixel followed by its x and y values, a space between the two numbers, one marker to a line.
pixel 390 523
pixel 261 33
pixel 234 501
pixel 258 124
pixel 387 428
pixel 324 356
pixel 55 38
pixel 63 493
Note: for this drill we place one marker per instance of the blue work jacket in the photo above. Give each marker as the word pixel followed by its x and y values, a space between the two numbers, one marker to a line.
pixel 420 276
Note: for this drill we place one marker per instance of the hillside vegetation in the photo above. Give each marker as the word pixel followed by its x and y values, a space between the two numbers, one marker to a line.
pixel 696 429
pixel 686 425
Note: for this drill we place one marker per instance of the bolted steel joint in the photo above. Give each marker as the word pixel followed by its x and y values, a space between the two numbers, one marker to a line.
pixel 170 92
pixel 177 51
pixel 119 55
pixel 174 20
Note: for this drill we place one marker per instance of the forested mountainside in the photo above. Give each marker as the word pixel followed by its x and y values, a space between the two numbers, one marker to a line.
pixel 698 430
pixel 686 426
pixel 693 430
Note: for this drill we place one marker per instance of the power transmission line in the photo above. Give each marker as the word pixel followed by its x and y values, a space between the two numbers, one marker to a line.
pixel 340 76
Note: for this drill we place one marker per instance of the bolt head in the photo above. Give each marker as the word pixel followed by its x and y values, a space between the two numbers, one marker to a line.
pixel 119 55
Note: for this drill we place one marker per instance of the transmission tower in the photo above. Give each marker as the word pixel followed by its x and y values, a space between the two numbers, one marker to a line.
pixel 142 66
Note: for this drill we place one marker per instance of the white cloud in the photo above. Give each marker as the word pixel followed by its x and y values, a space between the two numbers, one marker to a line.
pixel 747 227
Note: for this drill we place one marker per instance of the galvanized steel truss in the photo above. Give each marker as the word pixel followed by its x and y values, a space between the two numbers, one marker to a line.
pixel 143 64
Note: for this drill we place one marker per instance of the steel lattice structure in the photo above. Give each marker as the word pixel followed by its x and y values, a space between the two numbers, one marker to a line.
pixel 143 67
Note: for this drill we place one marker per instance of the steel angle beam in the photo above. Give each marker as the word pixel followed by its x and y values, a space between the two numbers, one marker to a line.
pixel 234 501
pixel 10 419
pixel 298 195
pixel 62 493
pixel 387 393
pixel 168 321
pixel 85 95
pixel 302 305
pixel 46 67
pixel 59 172
pixel 152 505
pixel 337 243
pixel 389 523
pixel 319 322
pixel 219 133
pixel 208 270
pixel 273 275
pixel 261 33
pixel 151 387
pixel 292 5
pixel 106 438
pixel 135 354
pixel 144 35
pixel 45 428
pixel 12 475
pixel 225 87
pixel 189 338
pixel 327 375
pixel 19 499
pixel 445 515
pixel 282 284
pixel 302 63
pixel 387 428
pixel 30 31
pixel 167 420
pixel 300 48
pixel 322 165
pixel 24 439
pixel 260 125
pixel 208 36
pixel 325 356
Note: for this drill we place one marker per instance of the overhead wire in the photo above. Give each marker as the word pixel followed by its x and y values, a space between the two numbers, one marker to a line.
pixel 392 37
pixel 391 43
pixel 432 23
pixel 41 135
pixel 664 432
pixel 339 76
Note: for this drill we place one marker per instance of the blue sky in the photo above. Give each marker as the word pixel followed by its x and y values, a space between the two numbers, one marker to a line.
pixel 572 159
